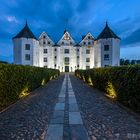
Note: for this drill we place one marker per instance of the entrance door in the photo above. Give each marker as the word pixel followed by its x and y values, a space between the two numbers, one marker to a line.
pixel 66 68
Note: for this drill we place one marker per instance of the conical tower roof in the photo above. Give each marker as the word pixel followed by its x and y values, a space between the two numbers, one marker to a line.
pixel 107 33
pixel 25 33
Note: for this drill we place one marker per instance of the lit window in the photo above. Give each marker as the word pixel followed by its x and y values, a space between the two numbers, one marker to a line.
pixel 45 51
pixel 45 59
pixel 87 51
pixel 87 59
pixel 27 46
pixel 106 47
pixel 67 51
pixel 106 57
pixel 27 57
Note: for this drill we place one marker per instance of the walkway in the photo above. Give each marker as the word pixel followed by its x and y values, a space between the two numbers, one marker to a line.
pixel 68 109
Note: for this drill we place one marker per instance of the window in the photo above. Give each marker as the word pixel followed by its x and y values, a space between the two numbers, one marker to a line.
pixel 45 59
pixel 106 47
pixel 67 51
pixel 55 49
pixel 77 50
pixel 49 42
pixel 89 43
pixel 45 51
pixel 78 66
pixel 55 57
pixel 89 37
pixel 45 66
pixel 87 51
pixel 77 57
pixel 70 43
pixel 106 57
pixel 44 42
pixel 27 46
pixel 87 67
pixel 27 56
pixel 44 36
pixel 55 65
pixel 84 43
pixel 62 43
pixel 67 59
pixel 87 59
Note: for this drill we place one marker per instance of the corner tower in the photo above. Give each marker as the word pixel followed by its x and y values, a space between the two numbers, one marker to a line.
pixel 107 48
pixel 26 48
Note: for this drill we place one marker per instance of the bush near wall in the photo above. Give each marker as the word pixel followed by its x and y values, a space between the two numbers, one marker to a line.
pixel 120 83
pixel 17 81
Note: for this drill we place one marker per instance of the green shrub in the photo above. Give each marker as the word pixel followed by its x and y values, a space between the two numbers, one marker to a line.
pixel 17 81
pixel 120 83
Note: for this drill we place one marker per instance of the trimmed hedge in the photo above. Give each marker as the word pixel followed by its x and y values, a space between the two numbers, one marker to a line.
pixel 120 83
pixel 17 81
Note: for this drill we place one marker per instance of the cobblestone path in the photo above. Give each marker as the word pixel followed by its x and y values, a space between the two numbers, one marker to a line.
pixel 28 119
pixel 68 109
pixel 104 119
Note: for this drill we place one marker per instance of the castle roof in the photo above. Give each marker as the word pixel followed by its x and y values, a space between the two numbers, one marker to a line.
pixel 107 33
pixel 25 33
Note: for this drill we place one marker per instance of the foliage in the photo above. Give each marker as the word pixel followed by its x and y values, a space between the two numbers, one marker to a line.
pixel 17 81
pixel 120 83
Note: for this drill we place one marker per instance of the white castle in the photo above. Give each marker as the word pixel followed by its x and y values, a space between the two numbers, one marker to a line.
pixel 67 55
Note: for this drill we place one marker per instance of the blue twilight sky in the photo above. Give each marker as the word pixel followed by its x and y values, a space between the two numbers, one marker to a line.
pixel 51 16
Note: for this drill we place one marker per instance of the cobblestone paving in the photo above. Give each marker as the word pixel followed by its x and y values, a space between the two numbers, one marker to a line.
pixel 104 119
pixel 29 118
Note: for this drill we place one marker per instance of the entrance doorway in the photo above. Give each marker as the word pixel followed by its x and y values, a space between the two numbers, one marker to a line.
pixel 66 68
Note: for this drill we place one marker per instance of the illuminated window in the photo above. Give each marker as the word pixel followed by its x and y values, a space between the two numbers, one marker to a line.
pixel 27 57
pixel 27 46
pixel 66 37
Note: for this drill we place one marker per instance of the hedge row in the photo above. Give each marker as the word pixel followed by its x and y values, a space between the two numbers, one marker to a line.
pixel 17 81
pixel 120 83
